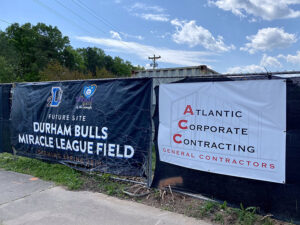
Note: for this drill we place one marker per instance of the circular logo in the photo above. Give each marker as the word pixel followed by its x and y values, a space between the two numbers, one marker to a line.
pixel 89 91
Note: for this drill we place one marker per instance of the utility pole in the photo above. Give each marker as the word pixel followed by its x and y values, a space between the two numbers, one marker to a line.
pixel 154 58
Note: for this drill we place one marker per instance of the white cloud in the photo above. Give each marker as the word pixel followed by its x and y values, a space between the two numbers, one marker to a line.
pixel 153 17
pixel 145 7
pixel 115 35
pixel 269 61
pixel 294 59
pixel 165 35
pixel 266 9
pixel 192 34
pixel 139 37
pixel 266 62
pixel 268 39
pixel 148 66
pixel 177 57
pixel 148 12
pixel 246 69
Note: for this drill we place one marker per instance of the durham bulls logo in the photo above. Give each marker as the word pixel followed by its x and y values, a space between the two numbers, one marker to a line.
pixel 85 100
pixel 55 99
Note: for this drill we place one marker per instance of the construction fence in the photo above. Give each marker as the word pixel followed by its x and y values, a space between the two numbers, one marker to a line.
pixel 233 138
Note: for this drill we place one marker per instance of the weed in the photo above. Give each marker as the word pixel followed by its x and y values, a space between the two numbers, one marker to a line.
pixel 105 177
pixel 156 194
pixel 59 174
pixel 167 208
pixel 267 221
pixel 63 175
pixel 246 216
pixel 219 218
pixel 208 207
pixel 224 205
pixel 188 210
pixel 153 159
pixel 109 186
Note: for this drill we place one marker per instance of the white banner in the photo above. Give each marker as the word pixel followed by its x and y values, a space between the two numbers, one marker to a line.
pixel 234 128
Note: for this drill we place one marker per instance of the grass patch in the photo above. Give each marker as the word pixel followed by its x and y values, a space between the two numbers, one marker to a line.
pixel 246 216
pixel 113 188
pixel 164 199
pixel 153 163
pixel 219 218
pixel 56 173
pixel 208 208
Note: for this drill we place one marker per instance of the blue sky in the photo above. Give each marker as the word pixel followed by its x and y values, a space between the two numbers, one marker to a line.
pixel 227 35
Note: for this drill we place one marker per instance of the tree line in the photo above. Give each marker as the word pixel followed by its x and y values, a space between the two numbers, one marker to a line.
pixel 40 53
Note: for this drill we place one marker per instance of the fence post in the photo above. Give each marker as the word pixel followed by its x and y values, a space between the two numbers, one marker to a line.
pixel 149 174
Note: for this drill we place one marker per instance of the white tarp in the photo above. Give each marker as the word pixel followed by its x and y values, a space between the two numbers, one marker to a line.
pixel 234 128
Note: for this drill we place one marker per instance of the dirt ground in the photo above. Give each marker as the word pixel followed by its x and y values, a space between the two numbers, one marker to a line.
pixel 170 200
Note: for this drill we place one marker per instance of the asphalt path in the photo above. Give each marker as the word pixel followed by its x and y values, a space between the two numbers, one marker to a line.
pixel 28 200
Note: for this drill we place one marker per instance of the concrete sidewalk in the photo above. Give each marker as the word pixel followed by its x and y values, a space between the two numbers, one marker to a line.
pixel 26 200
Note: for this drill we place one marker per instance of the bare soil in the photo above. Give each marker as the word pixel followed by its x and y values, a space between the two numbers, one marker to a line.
pixel 167 199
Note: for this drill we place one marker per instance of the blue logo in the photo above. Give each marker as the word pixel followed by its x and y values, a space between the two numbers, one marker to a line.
pixel 89 91
pixel 85 100
pixel 55 99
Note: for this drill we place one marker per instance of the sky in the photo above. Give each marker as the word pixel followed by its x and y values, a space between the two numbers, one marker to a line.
pixel 229 36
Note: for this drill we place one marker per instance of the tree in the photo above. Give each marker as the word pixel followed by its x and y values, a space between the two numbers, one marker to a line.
pixel 7 74
pixel 121 68
pixel 9 59
pixel 55 71
pixel 108 63
pixel 93 58
pixel 72 59
pixel 36 45
pixel 103 73
pixel 40 52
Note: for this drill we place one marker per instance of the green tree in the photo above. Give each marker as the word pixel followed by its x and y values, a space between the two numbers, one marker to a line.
pixel 93 58
pixel 36 45
pixel 9 60
pixel 55 71
pixel 121 68
pixel 40 52
pixel 103 73
pixel 7 74
pixel 72 59
pixel 109 63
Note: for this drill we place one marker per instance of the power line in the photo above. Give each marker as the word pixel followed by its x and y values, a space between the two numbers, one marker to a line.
pixel 58 14
pixel 78 15
pixel 4 21
pixel 154 58
pixel 79 26
pixel 94 14
pixel 122 42
pixel 72 11
pixel 101 19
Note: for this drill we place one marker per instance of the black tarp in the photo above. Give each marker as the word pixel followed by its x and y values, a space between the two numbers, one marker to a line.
pixel 102 125
pixel 282 200
pixel 5 107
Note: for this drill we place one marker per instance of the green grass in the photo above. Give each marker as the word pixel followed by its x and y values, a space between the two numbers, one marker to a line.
pixel 59 174
pixel 74 180
pixel 106 185
pixel 219 218
pixel 153 159
pixel 246 216
pixel 208 207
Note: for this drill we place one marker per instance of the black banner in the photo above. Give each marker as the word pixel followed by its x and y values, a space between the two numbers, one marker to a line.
pixel 102 125
pixel 5 106
pixel 279 199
